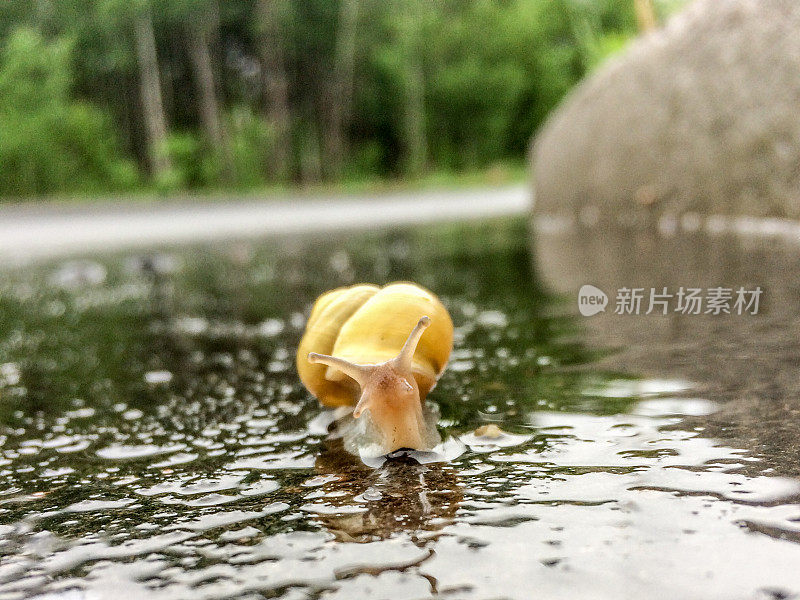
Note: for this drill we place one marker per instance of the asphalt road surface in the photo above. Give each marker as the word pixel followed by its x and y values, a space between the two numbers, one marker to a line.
pixel 40 231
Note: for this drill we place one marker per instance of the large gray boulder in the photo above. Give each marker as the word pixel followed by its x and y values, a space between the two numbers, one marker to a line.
pixel 701 116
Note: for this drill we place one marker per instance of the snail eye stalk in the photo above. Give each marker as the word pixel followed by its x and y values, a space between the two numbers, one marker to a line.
pixel 406 356
pixel 360 373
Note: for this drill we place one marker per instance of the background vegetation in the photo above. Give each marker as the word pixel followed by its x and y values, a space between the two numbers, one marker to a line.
pixel 113 95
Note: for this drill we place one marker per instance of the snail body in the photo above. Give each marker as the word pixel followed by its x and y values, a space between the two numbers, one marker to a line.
pixel 380 350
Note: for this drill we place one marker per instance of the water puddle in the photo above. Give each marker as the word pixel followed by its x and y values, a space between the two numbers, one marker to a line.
pixel 156 443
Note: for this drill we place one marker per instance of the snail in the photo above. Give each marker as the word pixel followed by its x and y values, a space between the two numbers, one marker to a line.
pixel 380 350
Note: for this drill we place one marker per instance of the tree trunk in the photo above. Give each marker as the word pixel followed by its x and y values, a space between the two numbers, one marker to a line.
pixel 415 138
pixel 150 89
pixel 310 164
pixel 276 86
pixel 409 29
pixel 645 15
pixel 200 58
pixel 340 90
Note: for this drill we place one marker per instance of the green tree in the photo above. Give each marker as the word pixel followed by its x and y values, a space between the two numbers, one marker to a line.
pixel 49 142
pixel 201 93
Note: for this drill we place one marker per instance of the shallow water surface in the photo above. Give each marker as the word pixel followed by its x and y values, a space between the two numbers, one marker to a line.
pixel 156 442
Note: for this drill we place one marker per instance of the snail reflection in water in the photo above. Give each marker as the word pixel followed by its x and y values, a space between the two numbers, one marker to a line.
pixel 379 350
pixel 402 496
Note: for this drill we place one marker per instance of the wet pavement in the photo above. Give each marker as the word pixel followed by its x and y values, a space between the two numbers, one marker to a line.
pixel 155 440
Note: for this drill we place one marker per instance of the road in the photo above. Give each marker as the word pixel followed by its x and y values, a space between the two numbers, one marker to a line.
pixel 50 230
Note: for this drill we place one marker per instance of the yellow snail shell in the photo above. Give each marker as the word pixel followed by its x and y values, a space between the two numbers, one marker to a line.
pixel 377 348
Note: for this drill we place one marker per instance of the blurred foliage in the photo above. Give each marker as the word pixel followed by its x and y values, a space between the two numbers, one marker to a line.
pixel 255 92
pixel 50 142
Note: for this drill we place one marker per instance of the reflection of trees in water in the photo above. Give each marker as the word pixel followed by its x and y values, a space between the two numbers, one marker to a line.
pixel 402 495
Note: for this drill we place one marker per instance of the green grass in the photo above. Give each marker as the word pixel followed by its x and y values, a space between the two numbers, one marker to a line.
pixel 498 174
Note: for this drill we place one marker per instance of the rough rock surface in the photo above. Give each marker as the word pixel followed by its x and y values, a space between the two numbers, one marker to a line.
pixel 701 116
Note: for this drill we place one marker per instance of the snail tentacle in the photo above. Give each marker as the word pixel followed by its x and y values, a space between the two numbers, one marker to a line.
pixel 406 355
pixel 358 372
pixel 362 404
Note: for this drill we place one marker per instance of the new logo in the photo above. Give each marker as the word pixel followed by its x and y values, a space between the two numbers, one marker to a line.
pixel 591 300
